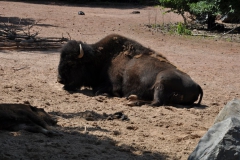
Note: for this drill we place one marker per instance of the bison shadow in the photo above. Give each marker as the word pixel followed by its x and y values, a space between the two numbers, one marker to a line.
pixel 87 115
pixel 85 91
pixel 73 145
pixel 89 92
pixel 196 106
pixel 80 142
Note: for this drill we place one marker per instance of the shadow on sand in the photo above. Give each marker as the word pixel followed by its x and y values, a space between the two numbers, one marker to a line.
pixel 124 4
pixel 75 143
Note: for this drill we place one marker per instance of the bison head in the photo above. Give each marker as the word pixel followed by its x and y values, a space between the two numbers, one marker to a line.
pixel 71 68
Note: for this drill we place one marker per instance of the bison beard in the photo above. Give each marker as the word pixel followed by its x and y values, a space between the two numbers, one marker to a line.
pixel 15 117
pixel 121 67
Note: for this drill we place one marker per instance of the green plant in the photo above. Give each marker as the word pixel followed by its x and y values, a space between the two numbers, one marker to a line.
pixel 181 29
pixel 172 29
pixel 154 26
pixel 177 6
pixel 202 8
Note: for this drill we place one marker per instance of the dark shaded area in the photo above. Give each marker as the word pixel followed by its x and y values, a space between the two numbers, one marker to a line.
pixel 87 115
pixel 92 3
pixel 196 106
pixel 213 27
pixel 92 115
pixel 74 144
pixel 77 142
pixel 87 92
pixel 231 18
pixel 211 22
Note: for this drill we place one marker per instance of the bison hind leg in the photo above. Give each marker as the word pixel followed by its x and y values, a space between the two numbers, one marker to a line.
pixel 159 97
pixel 134 101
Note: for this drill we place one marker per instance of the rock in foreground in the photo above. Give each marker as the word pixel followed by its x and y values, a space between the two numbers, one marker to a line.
pixel 222 141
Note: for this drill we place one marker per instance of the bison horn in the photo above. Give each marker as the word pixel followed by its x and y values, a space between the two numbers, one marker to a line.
pixel 81 52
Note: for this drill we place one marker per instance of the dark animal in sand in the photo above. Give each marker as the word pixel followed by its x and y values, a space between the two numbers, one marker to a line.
pixel 122 67
pixel 15 117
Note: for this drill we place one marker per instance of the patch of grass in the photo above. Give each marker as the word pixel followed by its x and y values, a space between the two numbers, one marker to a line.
pixel 181 29
pixel 229 34
pixel 177 28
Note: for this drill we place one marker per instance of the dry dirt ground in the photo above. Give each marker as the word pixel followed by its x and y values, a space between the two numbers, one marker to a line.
pixel 164 132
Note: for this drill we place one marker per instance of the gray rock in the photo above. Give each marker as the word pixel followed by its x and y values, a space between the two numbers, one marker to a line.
pixel 81 13
pixel 222 141
pixel 232 109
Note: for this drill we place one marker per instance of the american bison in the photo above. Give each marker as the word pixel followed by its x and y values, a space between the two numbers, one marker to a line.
pixel 15 117
pixel 122 67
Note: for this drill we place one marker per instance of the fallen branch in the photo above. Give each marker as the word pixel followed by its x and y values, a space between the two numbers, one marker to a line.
pixel 13 38
pixel 228 32
pixel 204 35
pixel 17 69
pixel 69 36
pixel 32 43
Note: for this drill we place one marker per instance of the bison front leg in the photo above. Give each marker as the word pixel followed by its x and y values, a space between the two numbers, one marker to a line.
pixel 110 90
pixel 103 90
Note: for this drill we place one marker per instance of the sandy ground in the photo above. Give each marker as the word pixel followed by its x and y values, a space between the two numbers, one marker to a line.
pixel 151 133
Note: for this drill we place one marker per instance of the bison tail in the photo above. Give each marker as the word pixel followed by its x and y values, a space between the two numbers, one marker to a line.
pixel 201 95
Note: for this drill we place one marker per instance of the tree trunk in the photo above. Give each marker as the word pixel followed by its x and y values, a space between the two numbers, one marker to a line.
pixel 211 22
pixel 184 18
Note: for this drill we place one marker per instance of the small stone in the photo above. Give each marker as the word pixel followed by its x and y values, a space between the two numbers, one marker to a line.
pixel 81 13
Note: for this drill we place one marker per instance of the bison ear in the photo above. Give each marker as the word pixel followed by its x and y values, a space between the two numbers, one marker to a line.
pixel 81 52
